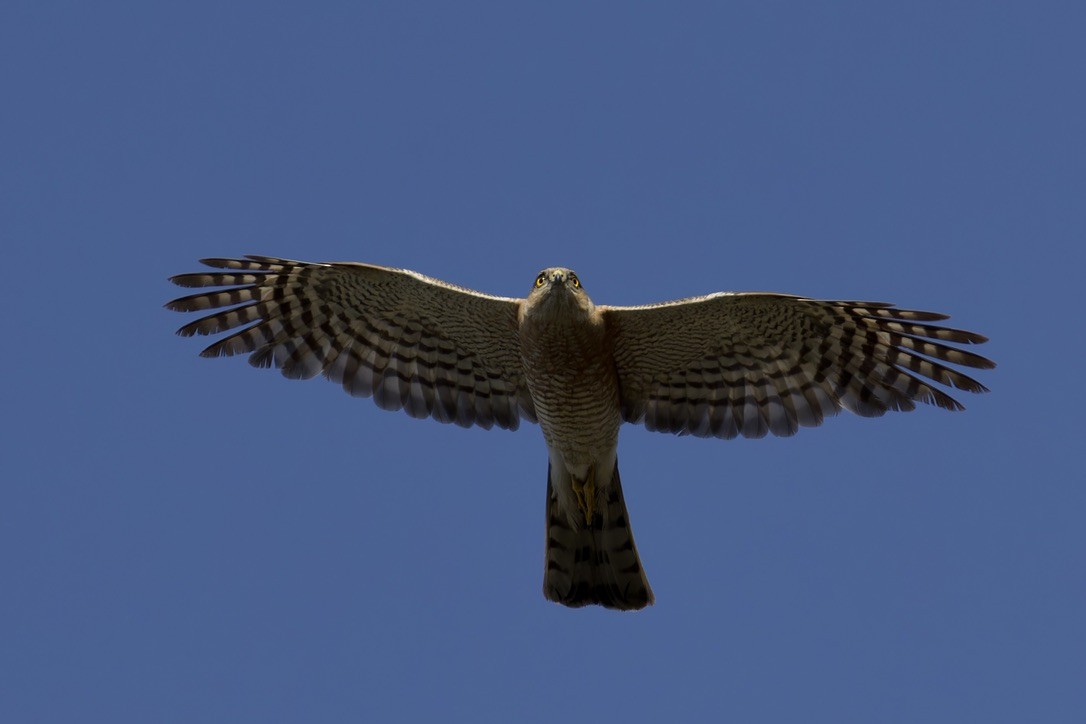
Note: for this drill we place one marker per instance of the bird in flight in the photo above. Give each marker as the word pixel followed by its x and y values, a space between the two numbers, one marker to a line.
pixel 720 365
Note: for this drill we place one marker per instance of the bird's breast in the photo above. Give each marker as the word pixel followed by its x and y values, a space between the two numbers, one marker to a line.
pixel 571 375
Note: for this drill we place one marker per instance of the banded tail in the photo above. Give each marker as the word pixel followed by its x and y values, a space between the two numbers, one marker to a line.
pixel 595 564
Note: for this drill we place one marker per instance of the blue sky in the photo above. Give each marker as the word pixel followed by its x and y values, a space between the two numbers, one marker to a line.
pixel 193 540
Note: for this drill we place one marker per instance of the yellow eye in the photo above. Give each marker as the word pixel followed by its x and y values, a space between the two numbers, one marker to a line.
pixel 540 280
pixel 574 281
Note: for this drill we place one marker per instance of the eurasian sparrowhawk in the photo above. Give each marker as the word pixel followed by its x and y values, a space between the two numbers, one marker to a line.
pixel 720 365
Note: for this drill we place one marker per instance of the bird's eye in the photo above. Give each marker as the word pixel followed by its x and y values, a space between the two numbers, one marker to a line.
pixel 574 281
pixel 540 280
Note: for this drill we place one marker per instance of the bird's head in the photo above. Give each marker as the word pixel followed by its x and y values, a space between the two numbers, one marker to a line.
pixel 557 287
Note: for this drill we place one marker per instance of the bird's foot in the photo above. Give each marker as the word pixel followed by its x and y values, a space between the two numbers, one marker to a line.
pixel 586 496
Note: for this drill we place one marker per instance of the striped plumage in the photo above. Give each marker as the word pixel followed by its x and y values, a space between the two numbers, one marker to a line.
pixel 408 341
pixel 721 365
pixel 595 562
pixel 591 556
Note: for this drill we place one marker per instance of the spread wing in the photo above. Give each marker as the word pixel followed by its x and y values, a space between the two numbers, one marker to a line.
pixel 748 364
pixel 409 341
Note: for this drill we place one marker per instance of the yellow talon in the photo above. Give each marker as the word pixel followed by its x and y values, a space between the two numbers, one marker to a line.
pixel 586 497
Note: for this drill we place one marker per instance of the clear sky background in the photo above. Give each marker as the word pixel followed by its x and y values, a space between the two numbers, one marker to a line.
pixel 188 540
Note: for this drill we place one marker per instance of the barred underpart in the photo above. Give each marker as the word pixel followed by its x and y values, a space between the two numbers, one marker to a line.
pixel 722 365
pixel 754 364
pixel 409 342
pixel 594 563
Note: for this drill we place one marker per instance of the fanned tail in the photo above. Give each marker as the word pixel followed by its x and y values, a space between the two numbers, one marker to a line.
pixel 594 564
